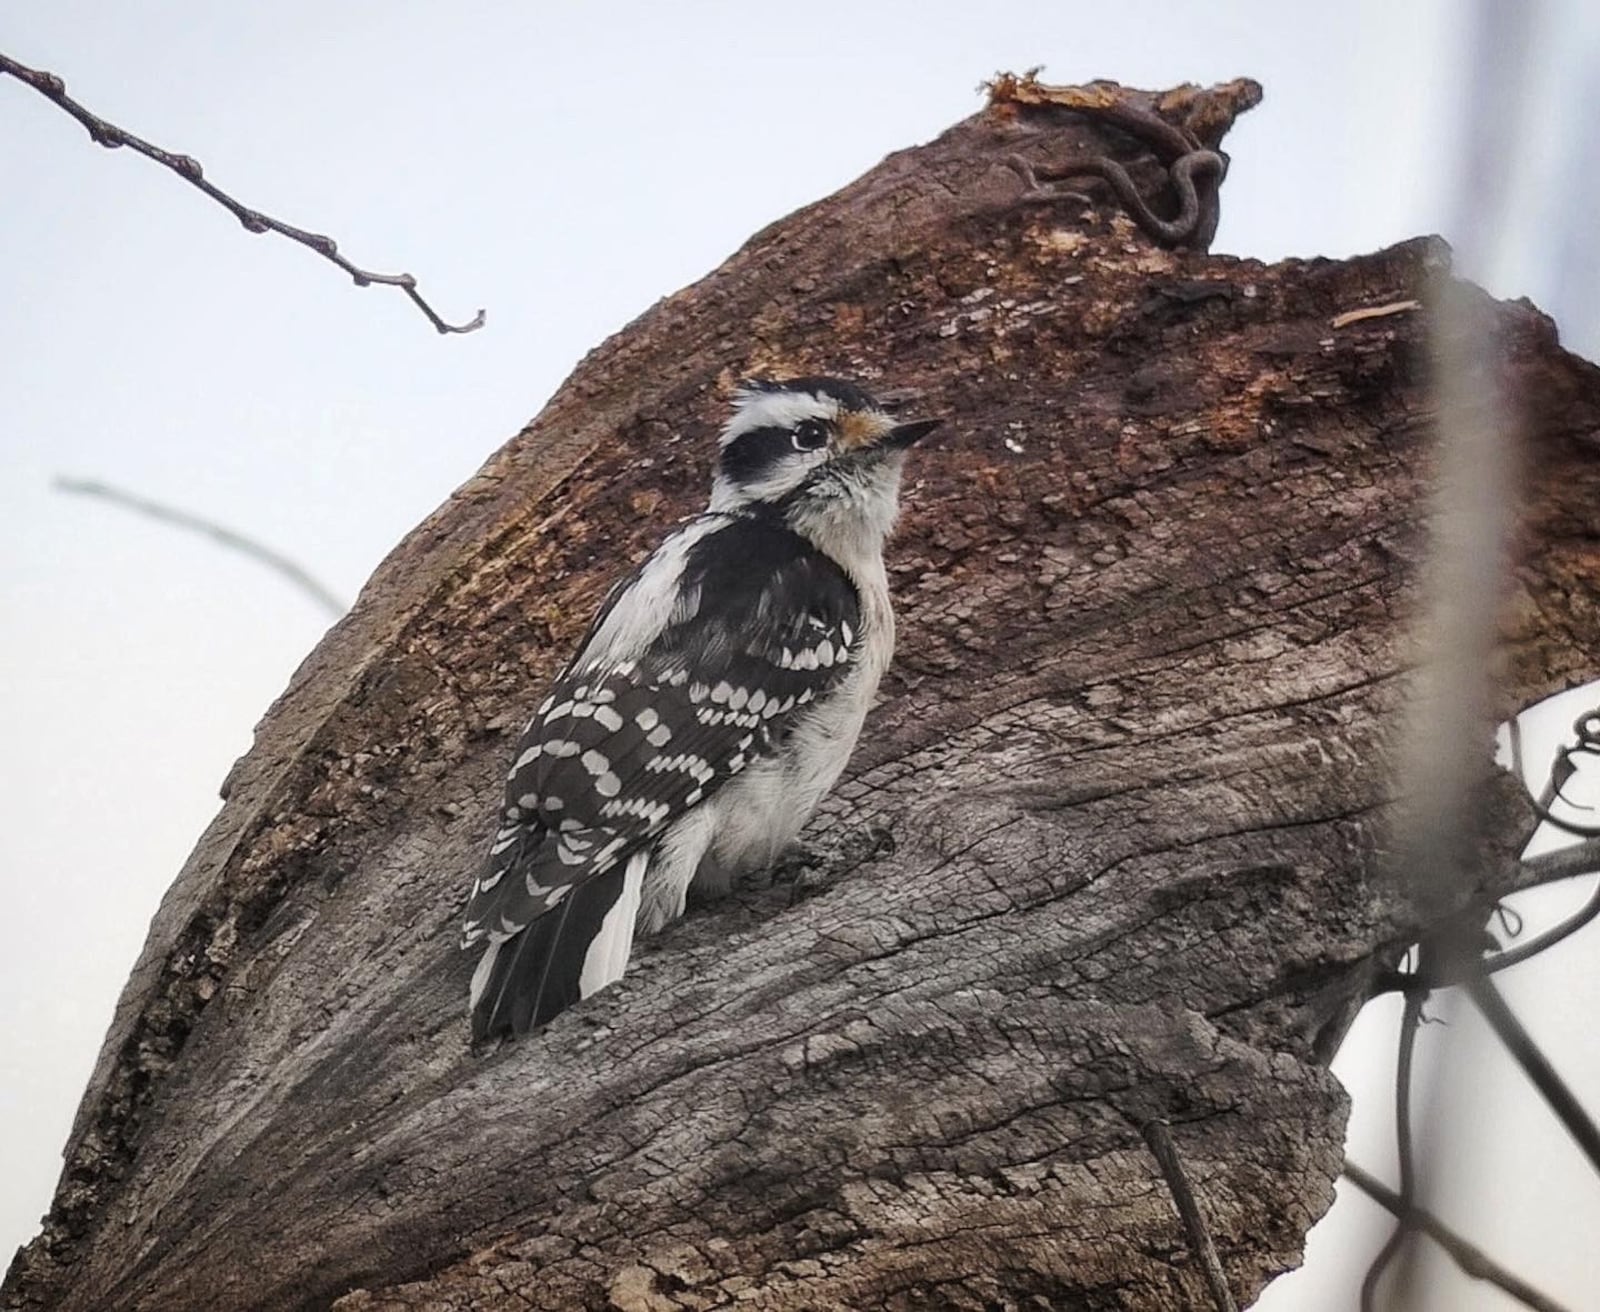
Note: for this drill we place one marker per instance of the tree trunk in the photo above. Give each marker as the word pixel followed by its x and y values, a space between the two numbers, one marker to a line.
pixel 1111 849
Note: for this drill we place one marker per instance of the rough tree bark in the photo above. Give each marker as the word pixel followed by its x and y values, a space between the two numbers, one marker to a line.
pixel 1111 849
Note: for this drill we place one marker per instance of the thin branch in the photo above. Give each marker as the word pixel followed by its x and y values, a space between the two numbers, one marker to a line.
pixel 1475 504
pixel 1540 803
pixel 1193 217
pixel 1571 925
pixel 1471 1259
pixel 1404 1144
pixel 1178 149
pixel 1573 862
pixel 1587 731
pixel 1567 862
pixel 1159 1137
pixel 1536 1066
pixel 188 168
pixel 216 532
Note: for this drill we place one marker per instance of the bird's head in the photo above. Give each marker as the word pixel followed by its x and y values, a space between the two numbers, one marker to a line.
pixel 820 450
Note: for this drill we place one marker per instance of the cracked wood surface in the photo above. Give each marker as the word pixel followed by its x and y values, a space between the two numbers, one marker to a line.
pixel 1111 848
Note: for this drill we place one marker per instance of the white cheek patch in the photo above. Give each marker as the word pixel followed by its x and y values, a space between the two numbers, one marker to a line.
pixel 783 476
pixel 754 410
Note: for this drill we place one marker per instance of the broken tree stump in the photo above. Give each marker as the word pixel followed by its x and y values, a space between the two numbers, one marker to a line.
pixel 1110 851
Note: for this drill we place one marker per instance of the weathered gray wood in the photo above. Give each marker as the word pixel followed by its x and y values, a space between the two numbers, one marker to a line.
pixel 1110 850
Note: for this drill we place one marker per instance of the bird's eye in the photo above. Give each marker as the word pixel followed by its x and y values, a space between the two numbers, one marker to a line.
pixel 809 435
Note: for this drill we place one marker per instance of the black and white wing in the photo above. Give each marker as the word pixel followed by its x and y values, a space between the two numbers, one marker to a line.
pixel 700 664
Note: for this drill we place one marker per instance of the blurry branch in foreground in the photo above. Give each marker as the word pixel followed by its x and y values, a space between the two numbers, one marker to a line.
pixel 1470 1258
pixel 186 167
pixel 1451 720
pixel 1443 749
pixel 216 532
pixel 1477 503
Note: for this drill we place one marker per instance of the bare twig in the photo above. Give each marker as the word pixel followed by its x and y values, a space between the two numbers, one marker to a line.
pixel 1587 733
pixel 1159 1137
pixel 186 167
pixel 1195 172
pixel 1571 861
pixel 1534 946
pixel 1471 1259
pixel 1445 962
pixel 1536 1066
pixel 216 532
pixel 1409 1021
pixel 1563 863
pixel 1450 721
pixel 1194 220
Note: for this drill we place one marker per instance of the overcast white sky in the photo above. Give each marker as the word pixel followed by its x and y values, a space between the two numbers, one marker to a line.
pixel 563 166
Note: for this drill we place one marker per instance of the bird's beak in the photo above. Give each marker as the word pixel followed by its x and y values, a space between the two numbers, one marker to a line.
pixel 901 436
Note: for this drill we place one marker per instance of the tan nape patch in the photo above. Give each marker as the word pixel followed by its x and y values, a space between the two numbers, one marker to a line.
pixel 859 428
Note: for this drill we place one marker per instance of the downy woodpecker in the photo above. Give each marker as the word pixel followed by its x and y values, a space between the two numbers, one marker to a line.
pixel 712 705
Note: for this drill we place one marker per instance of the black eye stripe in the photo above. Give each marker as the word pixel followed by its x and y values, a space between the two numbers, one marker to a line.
pixel 751 453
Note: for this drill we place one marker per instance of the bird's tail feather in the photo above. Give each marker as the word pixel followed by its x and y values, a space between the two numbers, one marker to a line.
pixel 574 949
